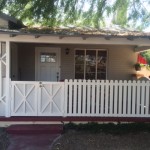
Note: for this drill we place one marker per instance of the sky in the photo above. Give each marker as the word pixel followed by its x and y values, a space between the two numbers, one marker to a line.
pixel 147 29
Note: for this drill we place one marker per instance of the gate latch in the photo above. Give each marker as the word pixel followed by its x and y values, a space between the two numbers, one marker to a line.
pixel 40 84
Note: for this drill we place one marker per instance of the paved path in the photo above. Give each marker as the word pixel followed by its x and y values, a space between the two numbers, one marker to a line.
pixel 31 141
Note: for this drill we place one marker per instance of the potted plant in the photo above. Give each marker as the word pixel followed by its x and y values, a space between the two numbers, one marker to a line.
pixel 137 66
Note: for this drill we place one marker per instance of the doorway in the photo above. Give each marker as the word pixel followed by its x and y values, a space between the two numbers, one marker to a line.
pixel 47 64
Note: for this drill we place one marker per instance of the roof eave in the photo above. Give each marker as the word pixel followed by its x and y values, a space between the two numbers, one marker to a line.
pixel 84 36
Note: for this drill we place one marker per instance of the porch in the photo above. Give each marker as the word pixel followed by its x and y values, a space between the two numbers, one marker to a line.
pixel 92 98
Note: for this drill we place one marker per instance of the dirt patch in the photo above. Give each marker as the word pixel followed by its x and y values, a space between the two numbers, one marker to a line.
pixel 93 136
pixel 77 140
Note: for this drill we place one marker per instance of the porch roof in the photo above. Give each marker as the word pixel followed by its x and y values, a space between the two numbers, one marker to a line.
pixel 78 32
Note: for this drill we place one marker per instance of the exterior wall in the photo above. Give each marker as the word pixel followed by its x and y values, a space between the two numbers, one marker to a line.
pixel 67 63
pixel 121 60
pixel 14 62
pixel 26 62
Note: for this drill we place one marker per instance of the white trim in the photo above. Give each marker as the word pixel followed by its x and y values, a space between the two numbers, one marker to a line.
pixel 8 97
pixel 75 40
pixel 1 85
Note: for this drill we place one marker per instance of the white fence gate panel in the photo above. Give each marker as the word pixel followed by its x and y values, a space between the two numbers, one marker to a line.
pixel 24 98
pixel 37 98
pixel 51 99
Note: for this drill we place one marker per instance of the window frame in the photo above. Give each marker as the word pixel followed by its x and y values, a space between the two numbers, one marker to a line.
pixel 85 50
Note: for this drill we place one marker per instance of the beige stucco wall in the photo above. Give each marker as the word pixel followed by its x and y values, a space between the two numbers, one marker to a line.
pixel 26 62
pixel 121 60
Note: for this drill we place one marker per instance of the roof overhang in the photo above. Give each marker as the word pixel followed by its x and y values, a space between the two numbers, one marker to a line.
pixel 141 48
pixel 56 37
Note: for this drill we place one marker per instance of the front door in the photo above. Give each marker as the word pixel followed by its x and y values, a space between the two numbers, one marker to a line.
pixel 47 64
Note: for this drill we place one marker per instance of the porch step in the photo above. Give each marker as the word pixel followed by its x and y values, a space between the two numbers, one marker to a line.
pixel 35 129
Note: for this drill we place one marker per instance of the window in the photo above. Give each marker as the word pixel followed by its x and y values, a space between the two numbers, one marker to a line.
pixel 90 64
pixel 48 57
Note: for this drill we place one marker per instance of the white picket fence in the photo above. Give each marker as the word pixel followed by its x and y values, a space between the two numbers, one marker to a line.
pixel 81 98
pixel 107 98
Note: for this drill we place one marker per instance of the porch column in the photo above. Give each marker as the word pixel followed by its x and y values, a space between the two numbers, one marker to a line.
pixel 1 79
pixel 8 97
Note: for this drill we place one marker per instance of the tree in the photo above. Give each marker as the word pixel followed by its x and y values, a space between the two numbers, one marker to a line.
pixel 120 12
pixel 126 13
pixel 146 54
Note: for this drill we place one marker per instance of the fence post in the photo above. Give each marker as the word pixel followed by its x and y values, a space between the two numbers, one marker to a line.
pixel 65 97
pixel 8 97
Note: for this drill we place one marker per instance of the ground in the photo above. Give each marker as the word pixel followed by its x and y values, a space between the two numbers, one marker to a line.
pixel 83 140
pixel 4 141
pixel 91 136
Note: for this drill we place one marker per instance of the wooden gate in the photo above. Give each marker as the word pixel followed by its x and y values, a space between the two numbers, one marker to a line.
pixel 51 99
pixel 37 98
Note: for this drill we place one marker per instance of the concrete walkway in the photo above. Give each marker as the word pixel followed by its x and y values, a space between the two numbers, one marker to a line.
pixel 33 136
pixel 31 141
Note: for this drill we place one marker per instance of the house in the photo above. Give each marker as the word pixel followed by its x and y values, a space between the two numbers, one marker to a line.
pixel 71 72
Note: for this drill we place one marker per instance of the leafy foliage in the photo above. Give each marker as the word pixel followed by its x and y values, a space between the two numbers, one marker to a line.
pixel 120 12
pixel 92 13
pixel 146 54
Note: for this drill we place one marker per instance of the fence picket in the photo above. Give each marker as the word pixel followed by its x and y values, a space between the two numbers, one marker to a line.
pixel 129 98
pixel 142 98
pixel 147 106
pixel 120 98
pixel 111 98
pixel 106 96
pixel 75 97
pixel 66 98
pixel 70 96
pixel 79 97
pixel 93 98
pixel 115 97
pixel 102 97
pixel 124 97
pixel 98 97
pixel 84 98
pixel 133 97
pixel 88 96
pixel 138 98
